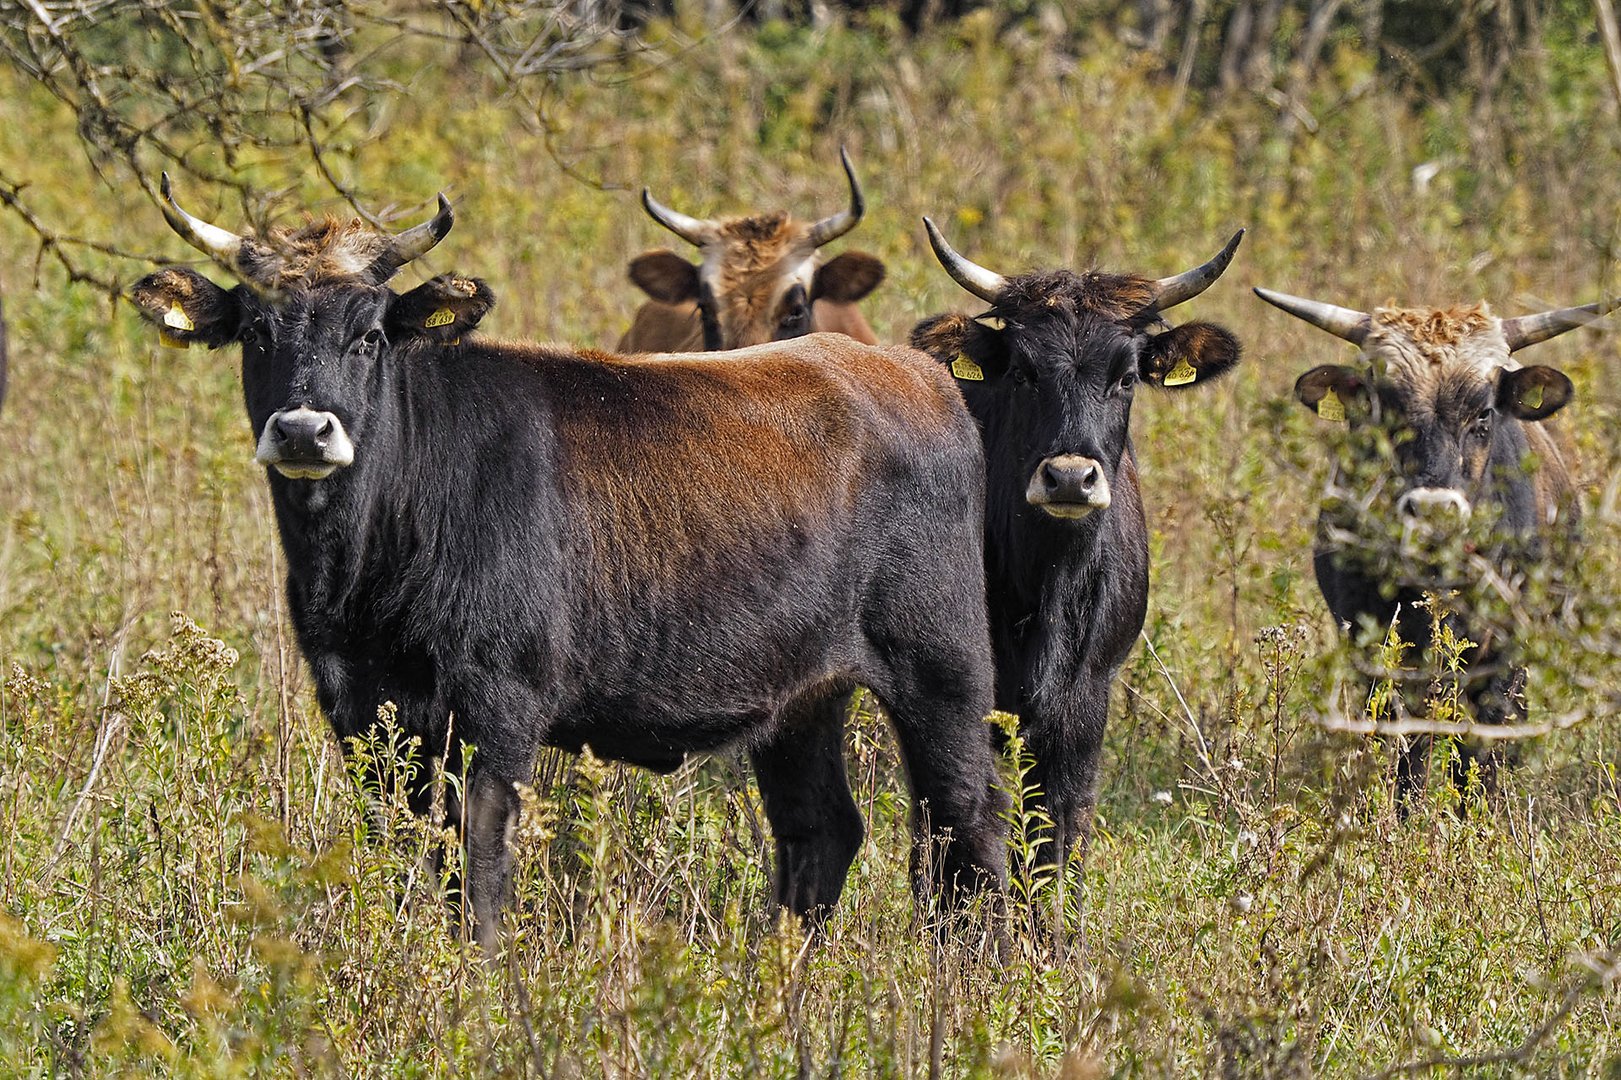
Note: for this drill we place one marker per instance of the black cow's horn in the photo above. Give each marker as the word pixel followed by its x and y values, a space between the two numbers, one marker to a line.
pixel 1342 322
pixel 1171 291
pixel 693 230
pixel 221 244
pixel 983 283
pixel 414 242
pixel 1529 329
pixel 831 228
pixel 418 240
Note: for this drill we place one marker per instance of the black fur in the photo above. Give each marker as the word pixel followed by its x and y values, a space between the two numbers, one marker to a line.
pixel 1060 354
pixel 523 543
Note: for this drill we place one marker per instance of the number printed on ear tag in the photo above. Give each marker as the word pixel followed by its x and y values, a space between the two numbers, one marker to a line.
pixel 966 369
pixel 176 317
pixel 1330 407
pixel 1182 374
pixel 442 317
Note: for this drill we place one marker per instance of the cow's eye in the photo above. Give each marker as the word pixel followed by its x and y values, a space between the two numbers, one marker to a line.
pixel 371 337
pixel 1481 428
pixel 249 334
pixel 1125 383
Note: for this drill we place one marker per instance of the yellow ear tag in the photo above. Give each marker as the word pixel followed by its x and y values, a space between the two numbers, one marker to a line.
pixel 1329 406
pixel 177 318
pixel 443 317
pixel 966 369
pixel 169 341
pixel 1181 374
pixel 1532 398
pixel 990 322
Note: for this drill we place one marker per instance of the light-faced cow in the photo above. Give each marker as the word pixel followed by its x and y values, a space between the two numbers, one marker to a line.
pixel 1050 373
pixel 651 557
pixel 758 279
pixel 1446 445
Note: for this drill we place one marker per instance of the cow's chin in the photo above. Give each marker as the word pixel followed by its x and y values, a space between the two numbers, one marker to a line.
pixel 305 470
pixel 1071 511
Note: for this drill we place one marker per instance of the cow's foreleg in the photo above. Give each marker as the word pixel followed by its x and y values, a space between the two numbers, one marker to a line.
pixel 492 817
pixel 814 819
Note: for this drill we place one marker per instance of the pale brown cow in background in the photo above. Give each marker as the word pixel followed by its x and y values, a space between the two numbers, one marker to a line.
pixel 757 281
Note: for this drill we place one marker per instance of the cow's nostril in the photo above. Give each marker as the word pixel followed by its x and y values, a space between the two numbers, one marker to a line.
pixel 1049 478
pixel 325 429
pixel 1089 478
pixel 280 430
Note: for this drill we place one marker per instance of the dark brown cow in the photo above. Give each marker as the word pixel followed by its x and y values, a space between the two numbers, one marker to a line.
pixel 758 280
pixel 1448 447
pixel 649 557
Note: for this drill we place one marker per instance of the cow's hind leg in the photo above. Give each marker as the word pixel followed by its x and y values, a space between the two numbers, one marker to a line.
pixel 814 819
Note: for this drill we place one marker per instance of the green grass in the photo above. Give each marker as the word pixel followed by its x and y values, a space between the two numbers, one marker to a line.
pixel 193 882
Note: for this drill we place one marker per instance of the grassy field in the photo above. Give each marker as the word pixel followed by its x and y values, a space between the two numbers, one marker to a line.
pixel 191 884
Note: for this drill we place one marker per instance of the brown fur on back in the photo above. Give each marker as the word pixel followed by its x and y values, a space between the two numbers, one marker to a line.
pixel 816 415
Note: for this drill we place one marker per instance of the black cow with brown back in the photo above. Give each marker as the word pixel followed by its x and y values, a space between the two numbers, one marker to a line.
pixel 525 546
pixel 1050 373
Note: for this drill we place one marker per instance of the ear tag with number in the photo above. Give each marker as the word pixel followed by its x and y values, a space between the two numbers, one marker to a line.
pixel 169 341
pixel 1532 398
pixel 442 317
pixel 966 369
pixel 1182 374
pixel 177 318
pixel 1330 407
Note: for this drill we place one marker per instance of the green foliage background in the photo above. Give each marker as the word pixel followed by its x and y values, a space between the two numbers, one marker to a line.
pixel 193 884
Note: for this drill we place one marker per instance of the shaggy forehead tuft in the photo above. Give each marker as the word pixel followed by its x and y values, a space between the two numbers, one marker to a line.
pixel 1419 348
pixel 320 251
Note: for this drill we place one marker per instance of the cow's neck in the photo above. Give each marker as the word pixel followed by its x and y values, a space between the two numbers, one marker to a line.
pixel 338 532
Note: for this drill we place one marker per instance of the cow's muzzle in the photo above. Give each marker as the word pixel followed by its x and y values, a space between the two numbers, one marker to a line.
pixel 1433 504
pixel 1069 486
pixel 303 444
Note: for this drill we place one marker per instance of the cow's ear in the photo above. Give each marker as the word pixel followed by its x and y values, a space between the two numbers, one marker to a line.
pixel 441 310
pixel 1331 389
pixel 188 308
pixel 847 277
pixel 972 350
pixel 1192 353
pixel 665 276
pixel 1533 393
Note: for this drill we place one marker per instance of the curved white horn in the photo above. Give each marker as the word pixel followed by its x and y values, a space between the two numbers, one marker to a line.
pixel 693 230
pixel 1171 291
pixel 1347 323
pixel 832 227
pixel 1526 330
pixel 983 283
pixel 222 244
